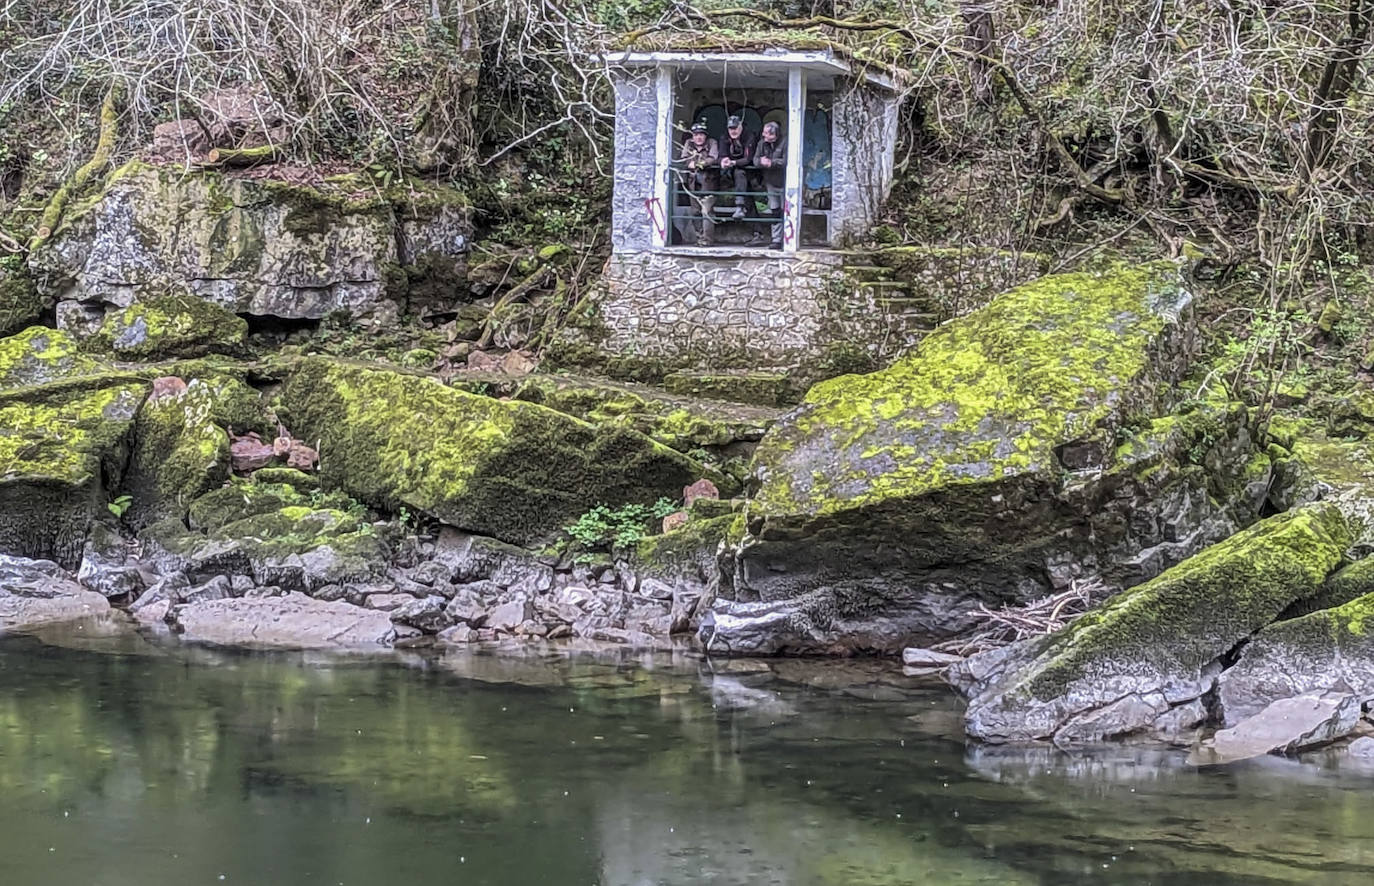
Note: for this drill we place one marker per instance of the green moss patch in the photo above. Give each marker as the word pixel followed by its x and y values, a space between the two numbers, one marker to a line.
pixel 169 328
pixel 987 397
pixel 511 470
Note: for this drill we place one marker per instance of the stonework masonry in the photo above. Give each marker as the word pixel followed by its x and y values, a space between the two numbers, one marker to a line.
pixel 810 315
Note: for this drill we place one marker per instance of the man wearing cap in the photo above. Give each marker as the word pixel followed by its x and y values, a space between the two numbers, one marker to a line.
pixel 735 156
pixel 770 158
pixel 700 175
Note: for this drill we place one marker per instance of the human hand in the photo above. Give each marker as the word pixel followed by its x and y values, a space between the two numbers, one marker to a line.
pixel 691 164
pixel 765 161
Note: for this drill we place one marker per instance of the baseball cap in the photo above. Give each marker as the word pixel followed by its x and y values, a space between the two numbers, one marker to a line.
pixel 733 121
pixel 699 126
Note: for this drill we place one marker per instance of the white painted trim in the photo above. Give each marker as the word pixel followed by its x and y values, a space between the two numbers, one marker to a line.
pixel 823 58
pixel 820 60
pixel 796 107
pixel 663 155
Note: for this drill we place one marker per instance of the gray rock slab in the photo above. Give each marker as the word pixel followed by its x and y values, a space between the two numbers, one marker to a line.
pixel 1284 726
pixel 293 621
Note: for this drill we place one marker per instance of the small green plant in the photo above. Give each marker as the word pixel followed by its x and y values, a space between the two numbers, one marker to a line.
pixel 606 529
pixel 120 505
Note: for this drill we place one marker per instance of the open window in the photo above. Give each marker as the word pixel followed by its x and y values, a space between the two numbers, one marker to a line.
pixel 746 206
pixel 837 123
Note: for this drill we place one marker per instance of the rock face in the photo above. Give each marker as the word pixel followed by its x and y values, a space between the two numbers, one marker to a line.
pixel 250 246
pixel 179 454
pixel 1014 450
pixel 1144 660
pixel 511 470
pixel 293 621
pixel 65 433
pixel 34 592
pixel 271 532
pixel 1331 650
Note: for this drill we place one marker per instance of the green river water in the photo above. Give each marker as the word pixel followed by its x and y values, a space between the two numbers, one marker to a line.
pixel 129 764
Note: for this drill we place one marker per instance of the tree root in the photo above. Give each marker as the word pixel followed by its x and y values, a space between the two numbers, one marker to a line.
pixel 104 148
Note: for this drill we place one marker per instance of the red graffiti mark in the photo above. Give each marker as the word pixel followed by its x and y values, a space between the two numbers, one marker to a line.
pixel 654 207
pixel 788 230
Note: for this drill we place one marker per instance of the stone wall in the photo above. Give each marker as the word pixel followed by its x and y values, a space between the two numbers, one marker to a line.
pixel 636 129
pixel 862 145
pixel 658 312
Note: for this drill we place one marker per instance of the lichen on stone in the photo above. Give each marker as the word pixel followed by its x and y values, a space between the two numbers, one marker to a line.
pixel 987 397
pixel 39 355
pixel 511 470
pixel 170 327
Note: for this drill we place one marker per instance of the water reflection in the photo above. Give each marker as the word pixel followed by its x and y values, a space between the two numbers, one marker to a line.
pixel 125 762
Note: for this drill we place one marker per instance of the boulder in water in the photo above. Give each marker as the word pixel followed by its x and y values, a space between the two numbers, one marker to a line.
pixel 1128 666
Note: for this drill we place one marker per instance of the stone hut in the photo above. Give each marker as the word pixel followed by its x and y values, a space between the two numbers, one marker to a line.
pixel 697 317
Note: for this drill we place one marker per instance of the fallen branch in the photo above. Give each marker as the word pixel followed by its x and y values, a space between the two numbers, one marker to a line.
pixel 1002 627
pixel 242 157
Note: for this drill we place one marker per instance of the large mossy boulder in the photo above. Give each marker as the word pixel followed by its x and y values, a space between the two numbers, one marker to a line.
pixel 1330 650
pixel 1028 444
pixel 511 470
pixel 170 327
pixel 65 433
pixel 1144 660
pixel 252 246
pixel 273 533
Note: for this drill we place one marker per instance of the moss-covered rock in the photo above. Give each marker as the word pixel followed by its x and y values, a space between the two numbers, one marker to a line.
pixel 20 303
pixel 179 453
pixel 272 532
pixel 170 327
pixel 512 470
pixel 687 553
pixel 39 355
pixel 1144 659
pixel 65 431
pixel 55 456
pixel 1000 394
pixel 1327 650
pixel 681 422
pixel 254 246
pixel 1016 449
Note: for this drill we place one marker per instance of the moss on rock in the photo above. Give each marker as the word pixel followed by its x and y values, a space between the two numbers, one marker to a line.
pixel 512 470
pixel 1157 641
pixel 170 327
pixel 273 532
pixel 179 454
pixel 39 355
pixel 681 422
pixel 20 303
pixel 985 398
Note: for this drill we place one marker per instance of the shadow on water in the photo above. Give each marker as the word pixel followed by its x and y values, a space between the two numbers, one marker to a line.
pixel 129 762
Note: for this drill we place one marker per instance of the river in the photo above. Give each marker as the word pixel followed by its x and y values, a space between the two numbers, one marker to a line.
pixel 129 763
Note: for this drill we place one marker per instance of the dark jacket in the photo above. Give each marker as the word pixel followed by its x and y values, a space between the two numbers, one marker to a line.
pixel 740 150
pixel 775 176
